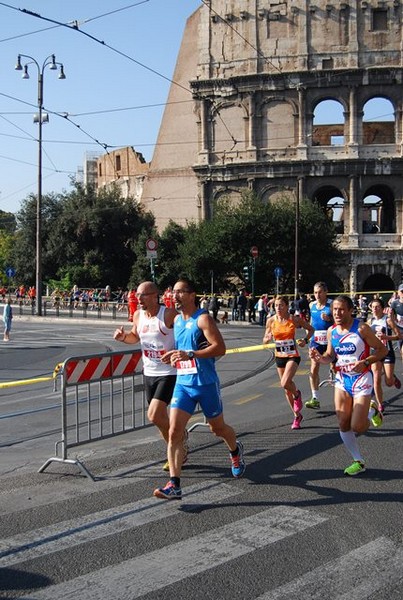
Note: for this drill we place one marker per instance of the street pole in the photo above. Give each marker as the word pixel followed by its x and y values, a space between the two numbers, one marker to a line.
pixel 38 275
pixel 296 267
pixel 50 61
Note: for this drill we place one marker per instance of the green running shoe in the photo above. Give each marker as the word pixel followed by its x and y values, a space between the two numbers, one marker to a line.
pixel 312 403
pixel 377 419
pixel 355 468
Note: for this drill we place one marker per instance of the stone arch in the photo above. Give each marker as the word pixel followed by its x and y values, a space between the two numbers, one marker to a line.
pixel 378 128
pixel 326 130
pixel 229 126
pixel 231 194
pixel 332 200
pixel 274 112
pixel 274 193
pixel 378 210
pixel 378 282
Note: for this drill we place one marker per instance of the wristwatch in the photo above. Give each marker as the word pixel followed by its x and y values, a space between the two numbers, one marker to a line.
pixel 367 363
pixel 190 354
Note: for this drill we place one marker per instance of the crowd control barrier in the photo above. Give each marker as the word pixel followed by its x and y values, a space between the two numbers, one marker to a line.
pixel 101 396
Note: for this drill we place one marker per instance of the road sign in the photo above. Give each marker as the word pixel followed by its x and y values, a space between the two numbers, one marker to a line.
pixel 278 271
pixel 151 244
pixel 10 272
pixel 254 251
pixel 151 254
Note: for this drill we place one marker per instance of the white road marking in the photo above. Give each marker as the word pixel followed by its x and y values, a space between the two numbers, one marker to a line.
pixel 91 527
pixel 355 576
pixel 155 570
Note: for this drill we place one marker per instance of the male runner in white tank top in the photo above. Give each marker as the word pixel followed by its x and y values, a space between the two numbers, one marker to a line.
pixel 153 328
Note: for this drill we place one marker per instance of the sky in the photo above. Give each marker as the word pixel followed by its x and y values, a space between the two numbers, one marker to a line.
pixel 118 67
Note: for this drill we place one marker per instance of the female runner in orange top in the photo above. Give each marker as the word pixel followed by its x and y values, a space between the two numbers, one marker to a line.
pixel 281 329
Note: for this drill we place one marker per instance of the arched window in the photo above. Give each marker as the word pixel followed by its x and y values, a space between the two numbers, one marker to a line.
pixel 378 123
pixel 378 210
pixel 328 124
pixel 332 202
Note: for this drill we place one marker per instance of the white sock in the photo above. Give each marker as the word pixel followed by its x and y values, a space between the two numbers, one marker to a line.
pixel 349 439
pixel 371 412
pixel 315 394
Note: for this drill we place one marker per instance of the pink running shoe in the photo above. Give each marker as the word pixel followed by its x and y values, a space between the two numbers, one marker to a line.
pixel 296 424
pixel 297 407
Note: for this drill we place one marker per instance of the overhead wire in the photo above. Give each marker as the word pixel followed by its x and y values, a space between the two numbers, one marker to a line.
pixel 75 26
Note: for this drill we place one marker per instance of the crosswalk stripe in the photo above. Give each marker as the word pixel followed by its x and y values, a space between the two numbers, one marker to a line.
pixel 155 570
pixel 91 527
pixel 355 576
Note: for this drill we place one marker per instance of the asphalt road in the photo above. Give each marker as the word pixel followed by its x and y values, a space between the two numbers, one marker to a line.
pixel 293 526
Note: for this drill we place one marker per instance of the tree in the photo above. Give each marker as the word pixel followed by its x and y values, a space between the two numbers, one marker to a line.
pixel 88 237
pixel 223 244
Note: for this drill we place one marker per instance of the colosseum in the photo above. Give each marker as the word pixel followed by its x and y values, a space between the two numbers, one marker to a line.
pixel 245 110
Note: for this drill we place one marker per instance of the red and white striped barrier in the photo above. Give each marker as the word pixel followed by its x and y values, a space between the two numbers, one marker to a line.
pixel 97 368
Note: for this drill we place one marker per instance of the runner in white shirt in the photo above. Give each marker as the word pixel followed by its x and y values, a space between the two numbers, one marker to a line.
pixel 153 328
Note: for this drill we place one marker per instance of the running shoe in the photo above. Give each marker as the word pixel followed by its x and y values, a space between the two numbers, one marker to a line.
pixel 377 418
pixel 355 468
pixel 312 403
pixel 169 492
pixel 398 383
pixel 297 402
pixel 296 424
pixel 166 466
pixel 238 464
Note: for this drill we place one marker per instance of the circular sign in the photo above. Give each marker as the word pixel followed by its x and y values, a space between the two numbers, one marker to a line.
pixel 254 251
pixel 151 244
pixel 10 272
pixel 278 272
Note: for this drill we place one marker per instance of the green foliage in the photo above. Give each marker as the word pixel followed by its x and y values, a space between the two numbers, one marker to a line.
pixel 95 239
pixel 87 237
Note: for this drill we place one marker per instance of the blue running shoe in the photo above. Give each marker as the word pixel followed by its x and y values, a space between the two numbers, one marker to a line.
pixel 169 492
pixel 238 464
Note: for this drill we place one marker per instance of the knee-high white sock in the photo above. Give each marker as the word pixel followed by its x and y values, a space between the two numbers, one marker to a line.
pixel 349 439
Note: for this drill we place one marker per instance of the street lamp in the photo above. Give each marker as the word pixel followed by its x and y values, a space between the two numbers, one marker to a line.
pixel 39 118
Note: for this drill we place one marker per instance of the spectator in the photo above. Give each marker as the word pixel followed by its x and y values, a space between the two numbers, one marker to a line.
pixel 214 306
pixel 241 305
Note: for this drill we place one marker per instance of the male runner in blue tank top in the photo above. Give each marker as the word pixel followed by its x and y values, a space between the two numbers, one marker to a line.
pixel 198 342
pixel 321 320
pixel 349 341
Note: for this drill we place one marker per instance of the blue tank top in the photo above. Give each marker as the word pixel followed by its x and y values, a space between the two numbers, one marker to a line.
pixel 349 347
pixel 319 337
pixel 188 336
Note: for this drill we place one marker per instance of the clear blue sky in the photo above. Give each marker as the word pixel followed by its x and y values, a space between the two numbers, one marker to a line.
pixel 99 81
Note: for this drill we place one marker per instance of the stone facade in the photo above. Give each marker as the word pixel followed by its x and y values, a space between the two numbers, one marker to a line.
pixel 124 168
pixel 257 71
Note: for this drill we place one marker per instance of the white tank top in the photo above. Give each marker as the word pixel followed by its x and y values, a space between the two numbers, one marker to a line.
pixel 155 340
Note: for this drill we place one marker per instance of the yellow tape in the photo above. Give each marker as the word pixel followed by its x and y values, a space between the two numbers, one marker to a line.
pixel 250 348
pixel 9 384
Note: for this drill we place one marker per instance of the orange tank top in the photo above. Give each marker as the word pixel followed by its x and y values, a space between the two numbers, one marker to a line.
pixel 284 338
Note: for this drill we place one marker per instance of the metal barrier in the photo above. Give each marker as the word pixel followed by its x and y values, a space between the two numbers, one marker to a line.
pixel 99 399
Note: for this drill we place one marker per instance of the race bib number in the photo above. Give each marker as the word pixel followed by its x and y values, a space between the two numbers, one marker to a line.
pixel 186 367
pixel 286 348
pixel 154 355
pixel 320 337
pixel 346 363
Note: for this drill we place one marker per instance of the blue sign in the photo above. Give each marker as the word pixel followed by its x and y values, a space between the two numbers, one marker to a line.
pixel 10 272
pixel 278 271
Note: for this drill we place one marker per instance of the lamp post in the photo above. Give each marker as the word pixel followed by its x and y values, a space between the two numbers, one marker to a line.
pixel 40 118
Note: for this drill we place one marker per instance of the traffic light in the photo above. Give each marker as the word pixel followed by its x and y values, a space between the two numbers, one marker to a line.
pixel 246 273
